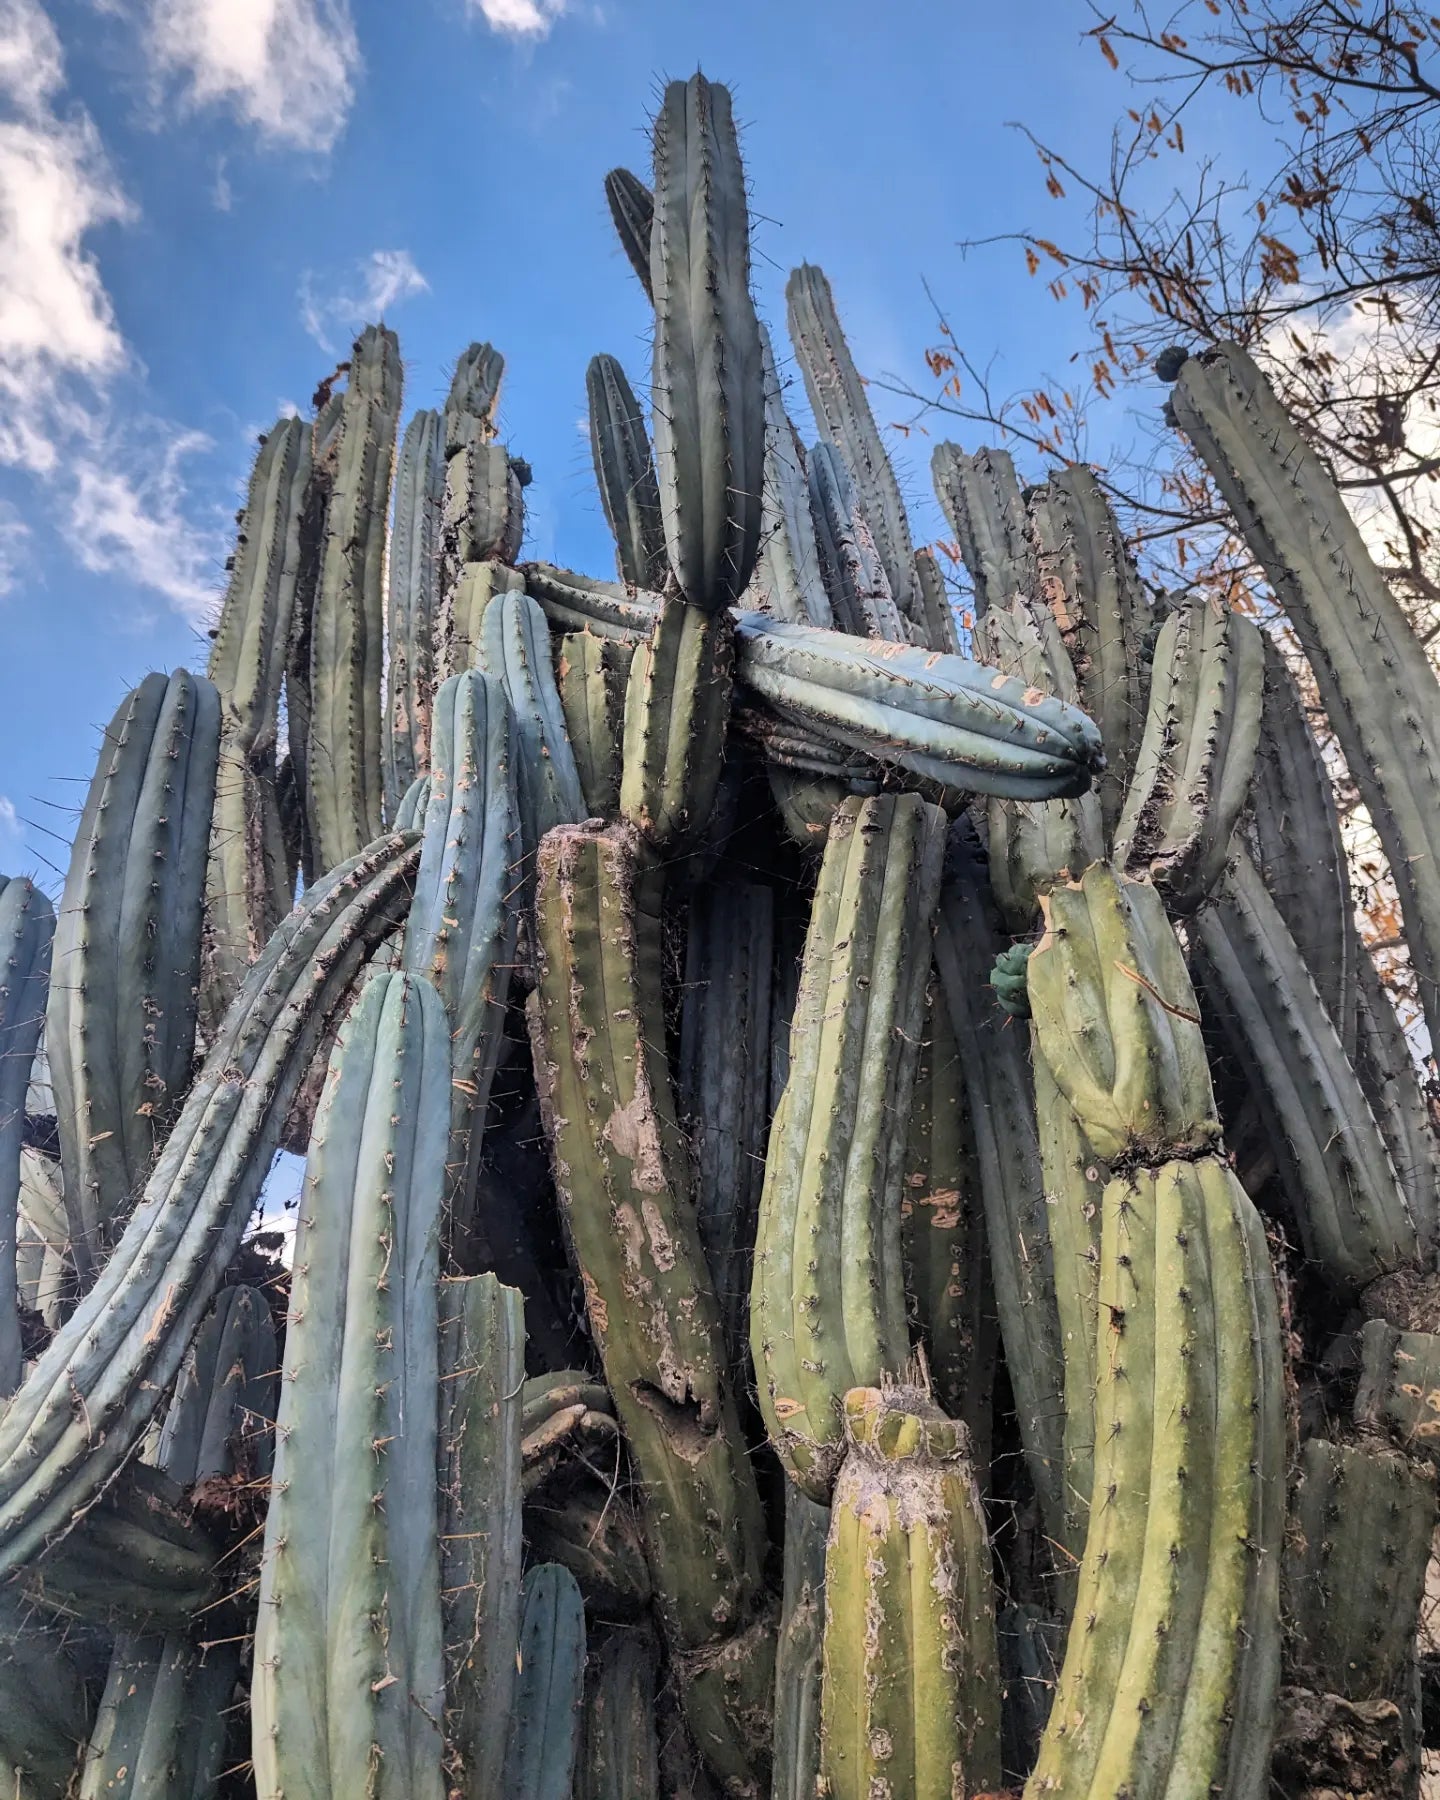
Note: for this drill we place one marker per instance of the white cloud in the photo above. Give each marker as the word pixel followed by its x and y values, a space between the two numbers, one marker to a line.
pixel 383 279
pixel 287 67
pixel 14 538
pixel 521 18
pixel 9 818
pixel 61 347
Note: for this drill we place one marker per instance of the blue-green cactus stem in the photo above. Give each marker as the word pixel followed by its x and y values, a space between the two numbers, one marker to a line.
pixel 625 474
pixel 574 602
pixel 120 1026
pixel 981 498
pixel 677 708
pixel 798 1650
pixel 592 674
pixel 83 1409
pixel 842 411
pixel 544 1739
pixel 854 576
pixel 632 207
pixel 45 1709
pixel 709 375
pixel 348 1690
pixel 787 582
pixel 412 605
pixel 474 398
pixel 621 1755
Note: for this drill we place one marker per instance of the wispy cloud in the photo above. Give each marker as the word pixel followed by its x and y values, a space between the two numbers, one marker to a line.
pixel 61 347
pixel 9 818
pixel 520 18
pixel 286 67
pixel 373 286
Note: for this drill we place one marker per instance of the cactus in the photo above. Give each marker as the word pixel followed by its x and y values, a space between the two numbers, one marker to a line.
pixel 120 1026
pixel 27 928
pixel 788 582
pixel 828 1304
pixel 249 888
pixel 484 517
pixel 1399 1386
pixel 856 584
pixel 597 1534
pixel 621 1759
pixel 842 411
pixel 723 1081
pixel 473 398
pixel 574 602
pixel 798 1652
pixel 938 628
pixel 44 1708
pixel 632 207
pixel 592 676
pixel 113 1359
pixel 910 1703
pixel 344 794
pixel 625 474
pixel 709 380
pixel 677 705
pixel 1376 683
pixel 1342 1187
pixel 412 605
pixel 1193 767
pixel 544 1740
pixel 349 1670
pixel 515 649
pixel 482 1341
pixel 941 717
pixel 981 498
pixel 599 1040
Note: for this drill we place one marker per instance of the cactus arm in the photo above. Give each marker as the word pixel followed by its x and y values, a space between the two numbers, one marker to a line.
pixel 544 1739
pixel 842 411
pixel 482 1362
pixel 788 575
pixel 632 207
pixel 1295 829
pixel 1194 764
pixel 474 397
pixel 592 675
pixel 484 516
pixel 709 380
pixel 1333 1161
pixel 940 716
pixel 247 890
pixel 798 1655
pixel 622 1756
pixel 27 929
pixel 723 1081
pixel 574 602
pixel 1084 575
pixel 83 1407
pixel 625 474
pixel 827 1308
pixel 44 1708
pixel 599 1050
pixel 854 577
pixel 412 603
pixel 1398 1386
pixel 1376 683
pixel 344 791
pixel 121 1022
pixel 349 1670
pixel 515 647
pixel 940 628
pixel 677 707
pixel 981 498
pixel 1386 1071
pixel 1000 1099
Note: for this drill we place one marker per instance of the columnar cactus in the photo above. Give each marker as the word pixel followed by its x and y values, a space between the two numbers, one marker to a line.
pixel 27 928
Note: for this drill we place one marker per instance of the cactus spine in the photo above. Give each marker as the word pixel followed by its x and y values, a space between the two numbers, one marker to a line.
pixel 349 1670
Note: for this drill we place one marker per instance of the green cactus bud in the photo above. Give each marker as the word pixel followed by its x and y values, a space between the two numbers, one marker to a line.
pixel 1116 1019
pixel 632 207
pixel 249 889
pixel 709 379
pixel 828 1302
pixel 981 498
pixel 677 705
pixel 113 1360
pixel 910 1703
pixel 1193 768
pixel 625 474
pixel 1340 1183
pixel 344 792
pixel 940 717
pixel 1010 980
pixel 482 1364
pixel 412 605
pixel 349 1670
pixel 27 928
pixel 120 1028
pixel 592 676
pixel 1375 680
pixel 544 1741
pixel 842 411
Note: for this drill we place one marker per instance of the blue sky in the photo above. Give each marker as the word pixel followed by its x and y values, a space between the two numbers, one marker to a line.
pixel 200 200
